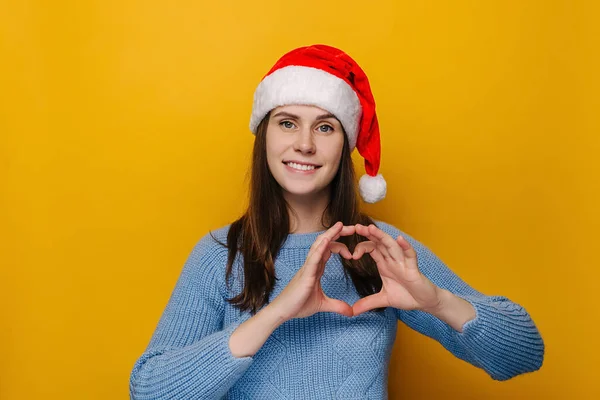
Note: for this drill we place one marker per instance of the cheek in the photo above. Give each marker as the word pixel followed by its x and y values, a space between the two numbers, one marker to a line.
pixel 336 151
pixel 274 144
pixel 275 148
pixel 271 146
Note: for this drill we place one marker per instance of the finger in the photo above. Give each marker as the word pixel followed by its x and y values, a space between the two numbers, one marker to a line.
pixel 364 231
pixel 336 306
pixel 375 235
pixel 326 255
pixel 333 233
pixel 361 230
pixel 341 249
pixel 344 231
pixel 409 251
pixel 330 233
pixel 393 249
pixel 313 260
pixel 368 303
pixel 367 247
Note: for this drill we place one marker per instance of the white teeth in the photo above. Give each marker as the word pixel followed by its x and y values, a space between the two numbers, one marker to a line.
pixel 301 167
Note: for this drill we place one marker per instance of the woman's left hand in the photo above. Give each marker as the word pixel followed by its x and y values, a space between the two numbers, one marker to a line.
pixel 404 287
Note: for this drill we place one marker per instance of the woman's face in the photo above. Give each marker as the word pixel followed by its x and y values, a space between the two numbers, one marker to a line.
pixel 304 147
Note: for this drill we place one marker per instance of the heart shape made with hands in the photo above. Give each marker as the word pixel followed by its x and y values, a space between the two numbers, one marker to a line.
pixel 403 285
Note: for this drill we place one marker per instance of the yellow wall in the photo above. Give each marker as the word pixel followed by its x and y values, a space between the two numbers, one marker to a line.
pixel 124 139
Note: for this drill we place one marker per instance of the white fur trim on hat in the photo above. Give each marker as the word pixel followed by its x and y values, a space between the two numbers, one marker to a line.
pixel 372 188
pixel 308 86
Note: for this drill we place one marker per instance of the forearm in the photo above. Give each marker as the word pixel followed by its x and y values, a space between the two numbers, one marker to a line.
pixel 203 369
pixel 252 334
pixel 453 310
pixel 502 339
pixel 490 332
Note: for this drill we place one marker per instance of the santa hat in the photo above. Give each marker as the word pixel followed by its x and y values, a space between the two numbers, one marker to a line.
pixel 328 78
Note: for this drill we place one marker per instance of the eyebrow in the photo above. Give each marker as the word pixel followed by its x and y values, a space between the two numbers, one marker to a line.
pixel 286 114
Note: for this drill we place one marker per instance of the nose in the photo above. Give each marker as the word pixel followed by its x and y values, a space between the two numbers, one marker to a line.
pixel 305 142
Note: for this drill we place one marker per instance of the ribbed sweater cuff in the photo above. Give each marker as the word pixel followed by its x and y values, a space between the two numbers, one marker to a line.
pixel 205 369
pixel 501 338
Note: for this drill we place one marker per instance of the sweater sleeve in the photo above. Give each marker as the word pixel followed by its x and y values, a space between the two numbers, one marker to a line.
pixel 502 339
pixel 188 355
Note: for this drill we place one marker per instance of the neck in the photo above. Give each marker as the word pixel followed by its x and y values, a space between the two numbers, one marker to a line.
pixel 306 212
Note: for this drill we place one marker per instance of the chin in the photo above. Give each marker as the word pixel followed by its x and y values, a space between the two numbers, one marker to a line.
pixel 304 191
pixel 300 192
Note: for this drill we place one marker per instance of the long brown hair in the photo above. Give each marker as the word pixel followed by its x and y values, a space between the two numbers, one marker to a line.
pixel 260 232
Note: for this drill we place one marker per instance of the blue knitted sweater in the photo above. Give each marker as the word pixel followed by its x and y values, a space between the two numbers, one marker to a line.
pixel 325 356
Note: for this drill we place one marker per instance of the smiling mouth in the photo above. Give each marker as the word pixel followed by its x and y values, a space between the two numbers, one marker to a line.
pixel 301 167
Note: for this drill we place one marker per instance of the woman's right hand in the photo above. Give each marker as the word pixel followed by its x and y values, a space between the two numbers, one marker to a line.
pixel 303 296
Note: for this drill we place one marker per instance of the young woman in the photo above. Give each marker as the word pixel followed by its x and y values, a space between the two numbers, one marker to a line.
pixel 300 297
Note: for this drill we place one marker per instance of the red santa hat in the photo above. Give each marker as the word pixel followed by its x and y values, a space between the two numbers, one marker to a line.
pixel 328 78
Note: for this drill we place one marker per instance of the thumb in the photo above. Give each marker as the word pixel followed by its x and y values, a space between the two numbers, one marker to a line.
pixel 336 306
pixel 368 303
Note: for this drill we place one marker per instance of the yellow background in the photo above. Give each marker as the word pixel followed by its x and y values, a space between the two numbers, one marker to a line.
pixel 124 139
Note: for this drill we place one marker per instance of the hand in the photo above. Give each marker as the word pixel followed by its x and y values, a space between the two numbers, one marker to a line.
pixel 404 286
pixel 303 296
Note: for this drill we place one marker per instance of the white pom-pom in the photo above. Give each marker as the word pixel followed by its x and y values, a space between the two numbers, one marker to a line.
pixel 372 188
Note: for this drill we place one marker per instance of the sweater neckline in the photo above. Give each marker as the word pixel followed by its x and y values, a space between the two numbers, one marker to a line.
pixel 300 240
